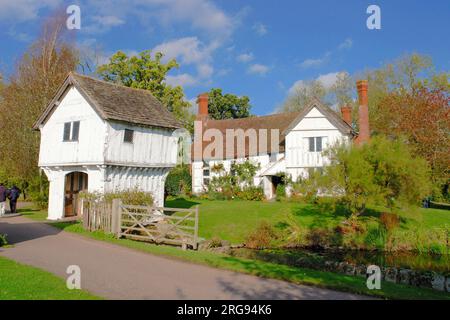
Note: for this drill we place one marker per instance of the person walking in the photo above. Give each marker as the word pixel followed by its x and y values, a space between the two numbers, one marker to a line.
pixel 2 199
pixel 13 195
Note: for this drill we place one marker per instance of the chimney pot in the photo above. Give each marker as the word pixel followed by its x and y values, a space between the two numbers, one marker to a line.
pixel 202 101
pixel 346 112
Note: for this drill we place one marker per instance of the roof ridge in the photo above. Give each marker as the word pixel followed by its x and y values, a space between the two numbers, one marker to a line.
pixel 258 117
pixel 111 83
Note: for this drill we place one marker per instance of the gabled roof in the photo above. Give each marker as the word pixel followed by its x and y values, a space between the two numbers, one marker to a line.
pixel 284 122
pixel 332 116
pixel 278 121
pixel 115 102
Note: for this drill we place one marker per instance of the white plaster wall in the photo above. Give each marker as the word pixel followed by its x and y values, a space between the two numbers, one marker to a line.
pixel 89 147
pixel 297 146
pixel 150 147
pixel 119 178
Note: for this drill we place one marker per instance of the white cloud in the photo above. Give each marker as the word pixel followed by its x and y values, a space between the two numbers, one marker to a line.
pixel 314 63
pixel 327 80
pixel 184 80
pixel 260 29
pixel 101 24
pixel 190 51
pixel 258 69
pixel 202 15
pixel 24 10
pixel 347 44
pixel 245 57
pixel 205 71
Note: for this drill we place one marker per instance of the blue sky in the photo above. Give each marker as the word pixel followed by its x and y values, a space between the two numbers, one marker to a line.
pixel 255 48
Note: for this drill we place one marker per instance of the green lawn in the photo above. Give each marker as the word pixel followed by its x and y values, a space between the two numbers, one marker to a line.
pixel 22 282
pixel 234 220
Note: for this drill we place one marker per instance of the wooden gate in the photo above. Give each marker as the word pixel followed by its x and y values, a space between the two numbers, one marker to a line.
pixel 156 224
pixel 96 215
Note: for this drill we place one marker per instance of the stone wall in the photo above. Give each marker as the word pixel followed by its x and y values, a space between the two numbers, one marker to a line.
pixel 423 279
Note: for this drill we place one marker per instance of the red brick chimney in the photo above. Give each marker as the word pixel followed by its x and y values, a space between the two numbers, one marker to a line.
pixel 363 113
pixel 346 112
pixel 200 121
pixel 202 101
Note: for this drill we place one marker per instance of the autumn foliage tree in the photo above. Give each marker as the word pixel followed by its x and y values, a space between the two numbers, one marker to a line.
pixel 38 74
pixel 422 117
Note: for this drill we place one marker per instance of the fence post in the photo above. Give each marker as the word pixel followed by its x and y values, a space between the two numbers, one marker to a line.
pixel 116 217
pixel 196 229
pixel 85 217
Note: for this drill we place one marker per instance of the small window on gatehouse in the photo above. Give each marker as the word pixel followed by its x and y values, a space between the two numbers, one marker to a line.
pixel 128 136
pixel 71 131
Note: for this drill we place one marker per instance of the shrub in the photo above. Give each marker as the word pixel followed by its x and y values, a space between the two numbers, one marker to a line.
pixel 38 193
pixel 3 241
pixel 262 237
pixel 280 192
pixel 318 237
pixel 295 232
pixel 389 221
pixel 251 193
pixel 350 226
pixel 179 181
pixel 382 172
pixel 131 197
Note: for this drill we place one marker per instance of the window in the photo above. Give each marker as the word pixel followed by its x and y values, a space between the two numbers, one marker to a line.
pixel 315 144
pixel 128 136
pixel 206 174
pixel 71 131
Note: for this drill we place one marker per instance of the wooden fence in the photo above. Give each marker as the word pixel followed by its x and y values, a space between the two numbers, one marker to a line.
pixel 97 215
pixel 173 226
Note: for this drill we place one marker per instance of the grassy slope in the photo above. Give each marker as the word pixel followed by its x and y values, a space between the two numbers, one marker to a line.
pixel 233 220
pixel 22 282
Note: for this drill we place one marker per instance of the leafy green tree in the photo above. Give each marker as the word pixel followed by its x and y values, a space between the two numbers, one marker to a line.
pixel 227 106
pixel 146 72
pixel 382 172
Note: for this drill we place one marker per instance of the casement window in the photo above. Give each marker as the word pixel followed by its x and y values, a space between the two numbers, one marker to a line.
pixel 315 144
pixel 206 174
pixel 71 131
pixel 128 136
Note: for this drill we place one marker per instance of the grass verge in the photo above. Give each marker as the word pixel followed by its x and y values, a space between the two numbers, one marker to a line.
pixel 23 282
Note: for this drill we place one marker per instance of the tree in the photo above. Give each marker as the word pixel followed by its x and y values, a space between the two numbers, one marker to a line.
pixel 303 95
pixel 339 93
pixel 407 74
pixel 145 72
pixel 227 106
pixel 39 73
pixel 422 116
pixel 382 172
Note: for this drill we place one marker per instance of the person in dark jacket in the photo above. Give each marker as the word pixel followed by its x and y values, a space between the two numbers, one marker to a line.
pixel 2 199
pixel 13 195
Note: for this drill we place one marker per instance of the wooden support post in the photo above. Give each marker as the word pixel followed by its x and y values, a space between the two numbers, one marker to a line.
pixel 195 244
pixel 116 217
